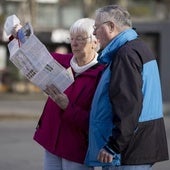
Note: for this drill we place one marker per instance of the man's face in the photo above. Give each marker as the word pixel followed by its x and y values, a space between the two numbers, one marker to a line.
pixel 104 31
pixel 101 31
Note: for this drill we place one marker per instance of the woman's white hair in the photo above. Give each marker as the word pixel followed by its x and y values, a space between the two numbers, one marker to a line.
pixel 83 25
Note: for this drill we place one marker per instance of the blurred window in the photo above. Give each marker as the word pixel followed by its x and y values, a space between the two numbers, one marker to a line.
pixel 46 15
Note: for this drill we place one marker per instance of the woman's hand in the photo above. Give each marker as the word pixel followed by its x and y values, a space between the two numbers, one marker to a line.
pixel 60 98
pixel 15 30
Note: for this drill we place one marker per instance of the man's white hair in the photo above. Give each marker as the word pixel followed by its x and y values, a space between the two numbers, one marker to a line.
pixel 116 14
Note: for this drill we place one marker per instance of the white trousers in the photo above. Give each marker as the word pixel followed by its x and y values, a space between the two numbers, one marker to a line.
pixel 53 162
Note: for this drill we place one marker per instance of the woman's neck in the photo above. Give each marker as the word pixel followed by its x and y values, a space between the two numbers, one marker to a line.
pixel 85 60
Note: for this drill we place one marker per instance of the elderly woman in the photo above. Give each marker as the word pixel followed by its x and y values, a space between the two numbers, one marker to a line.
pixel 63 127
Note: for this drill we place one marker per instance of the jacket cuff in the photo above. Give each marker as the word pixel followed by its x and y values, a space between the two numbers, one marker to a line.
pixel 11 38
pixel 108 149
pixel 116 157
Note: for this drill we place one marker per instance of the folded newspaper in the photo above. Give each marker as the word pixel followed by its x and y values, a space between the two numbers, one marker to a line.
pixel 34 61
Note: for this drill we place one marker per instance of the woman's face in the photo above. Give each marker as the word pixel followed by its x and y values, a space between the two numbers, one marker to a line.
pixel 82 45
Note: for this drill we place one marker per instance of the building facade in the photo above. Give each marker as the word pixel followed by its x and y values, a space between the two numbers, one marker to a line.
pixel 52 18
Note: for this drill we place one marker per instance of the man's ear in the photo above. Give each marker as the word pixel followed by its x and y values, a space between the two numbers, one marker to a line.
pixel 111 26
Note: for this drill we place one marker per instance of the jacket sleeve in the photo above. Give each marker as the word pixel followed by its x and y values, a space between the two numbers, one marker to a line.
pixel 126 97
pixel 78 111
pixel 77 116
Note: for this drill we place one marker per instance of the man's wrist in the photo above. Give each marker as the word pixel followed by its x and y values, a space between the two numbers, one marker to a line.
pixel 108 149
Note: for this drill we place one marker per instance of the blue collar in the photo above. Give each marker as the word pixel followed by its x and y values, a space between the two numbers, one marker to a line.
pixel 106 55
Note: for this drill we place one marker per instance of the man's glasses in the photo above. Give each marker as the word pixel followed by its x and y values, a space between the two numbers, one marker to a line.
pixel 97 27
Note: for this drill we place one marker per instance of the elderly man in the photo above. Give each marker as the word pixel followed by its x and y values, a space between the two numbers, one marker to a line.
pixel 126 121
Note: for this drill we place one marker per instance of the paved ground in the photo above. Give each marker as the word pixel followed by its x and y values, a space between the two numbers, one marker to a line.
pixel 18 119
pixel 18 151
pixel 21 105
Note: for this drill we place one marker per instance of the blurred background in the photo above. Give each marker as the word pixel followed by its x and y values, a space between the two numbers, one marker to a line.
pixel 51 20
pixel 21 101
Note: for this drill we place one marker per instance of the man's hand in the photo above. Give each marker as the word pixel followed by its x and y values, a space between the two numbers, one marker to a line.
pixel 60 98
pixel 104 156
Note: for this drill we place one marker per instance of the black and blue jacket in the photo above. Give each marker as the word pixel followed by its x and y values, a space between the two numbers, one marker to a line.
pixel 135 94
pixel 126 116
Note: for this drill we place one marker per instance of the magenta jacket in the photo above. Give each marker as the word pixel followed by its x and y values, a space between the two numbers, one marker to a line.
pixel 65 133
